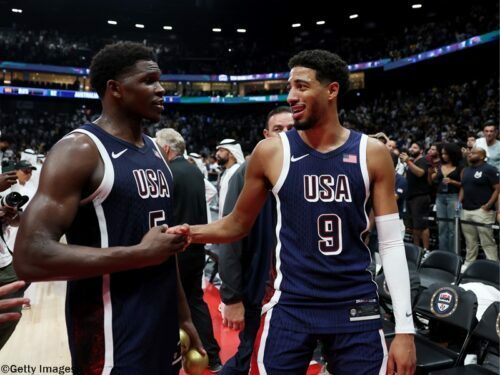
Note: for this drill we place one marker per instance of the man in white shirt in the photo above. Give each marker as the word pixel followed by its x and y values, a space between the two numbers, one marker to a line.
pixel 229 156
pixel 490 143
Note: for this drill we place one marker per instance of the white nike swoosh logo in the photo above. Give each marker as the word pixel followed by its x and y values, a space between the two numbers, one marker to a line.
pixel 294 159
pixel 116 156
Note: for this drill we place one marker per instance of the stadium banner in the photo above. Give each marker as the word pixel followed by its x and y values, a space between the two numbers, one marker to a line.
pixel 31 91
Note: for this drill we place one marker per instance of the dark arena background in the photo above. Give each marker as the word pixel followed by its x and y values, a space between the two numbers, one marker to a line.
pixel 424 72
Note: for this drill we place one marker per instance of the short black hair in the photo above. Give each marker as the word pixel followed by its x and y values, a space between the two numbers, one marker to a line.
pixel 277 111
pixel 419 144
pixel 329 67
pixel 490 122
pixel 114 60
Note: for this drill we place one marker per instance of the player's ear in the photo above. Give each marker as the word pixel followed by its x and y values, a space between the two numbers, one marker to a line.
pixel 333 90
pixel 114 88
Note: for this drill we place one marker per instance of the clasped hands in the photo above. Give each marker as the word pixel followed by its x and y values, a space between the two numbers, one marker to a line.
pixel 182 230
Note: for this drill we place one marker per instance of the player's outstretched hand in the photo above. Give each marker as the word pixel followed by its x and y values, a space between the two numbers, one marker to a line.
pixel 11 302
pixel 159 245
pixel 182 229
pixel 402 355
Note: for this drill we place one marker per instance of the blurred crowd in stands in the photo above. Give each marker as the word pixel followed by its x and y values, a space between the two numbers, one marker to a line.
pixel 211 54
pixel 438 114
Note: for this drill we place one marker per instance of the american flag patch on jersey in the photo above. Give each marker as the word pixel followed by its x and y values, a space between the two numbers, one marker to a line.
pixel 350 158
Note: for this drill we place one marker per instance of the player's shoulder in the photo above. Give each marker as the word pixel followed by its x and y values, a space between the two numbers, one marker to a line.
pixel 75 150
pixel 374 145
pixel 378 158
pixel 376 151
pixel 268 147
pixel 74 142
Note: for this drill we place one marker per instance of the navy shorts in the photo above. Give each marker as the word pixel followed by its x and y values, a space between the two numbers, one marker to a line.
pixel 280 351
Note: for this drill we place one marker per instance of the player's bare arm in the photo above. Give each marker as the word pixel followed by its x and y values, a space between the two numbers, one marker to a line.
pixel 402 354
pixel 72 171
pixel 381 172
pixel 262 173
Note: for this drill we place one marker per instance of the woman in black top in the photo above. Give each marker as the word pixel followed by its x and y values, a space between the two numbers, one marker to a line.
pixel 447 178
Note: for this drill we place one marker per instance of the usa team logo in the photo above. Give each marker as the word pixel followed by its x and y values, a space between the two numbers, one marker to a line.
pixel 444 302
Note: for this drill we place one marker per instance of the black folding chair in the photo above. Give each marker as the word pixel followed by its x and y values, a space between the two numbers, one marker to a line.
pixel 484 271
pixel 486 331
pixel 439 266
pixel 414 253
pixel 449 312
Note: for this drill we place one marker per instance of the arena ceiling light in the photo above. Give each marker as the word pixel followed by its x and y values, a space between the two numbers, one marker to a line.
pixel 241 30
pixel 416 6
pixel 296 25
pixel 216 30
pixel 353 16
pixel 16 10
pixel 112 22
pixel 139 25
pixel 167 27
pixel 320 22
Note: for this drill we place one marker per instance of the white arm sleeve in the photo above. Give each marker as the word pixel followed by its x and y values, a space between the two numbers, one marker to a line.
pixel 392 253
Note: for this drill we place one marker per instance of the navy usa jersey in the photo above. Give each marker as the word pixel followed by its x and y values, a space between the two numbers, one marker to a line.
pixel 125 322
pixel 322 283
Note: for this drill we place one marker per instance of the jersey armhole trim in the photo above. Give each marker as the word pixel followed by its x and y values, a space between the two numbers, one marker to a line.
pixel 363 164
pixel 108 179
pixel 285 165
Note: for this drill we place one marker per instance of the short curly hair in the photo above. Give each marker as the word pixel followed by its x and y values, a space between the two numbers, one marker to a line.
pixel 114 60
pixel 329 67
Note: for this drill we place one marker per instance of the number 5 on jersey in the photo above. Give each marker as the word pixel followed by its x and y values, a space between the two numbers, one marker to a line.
pixel 156 218
pixel 330 234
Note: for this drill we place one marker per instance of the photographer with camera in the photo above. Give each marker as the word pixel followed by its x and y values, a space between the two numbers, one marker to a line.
pixel 11 202
pixel 9 216
pixel 20 194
